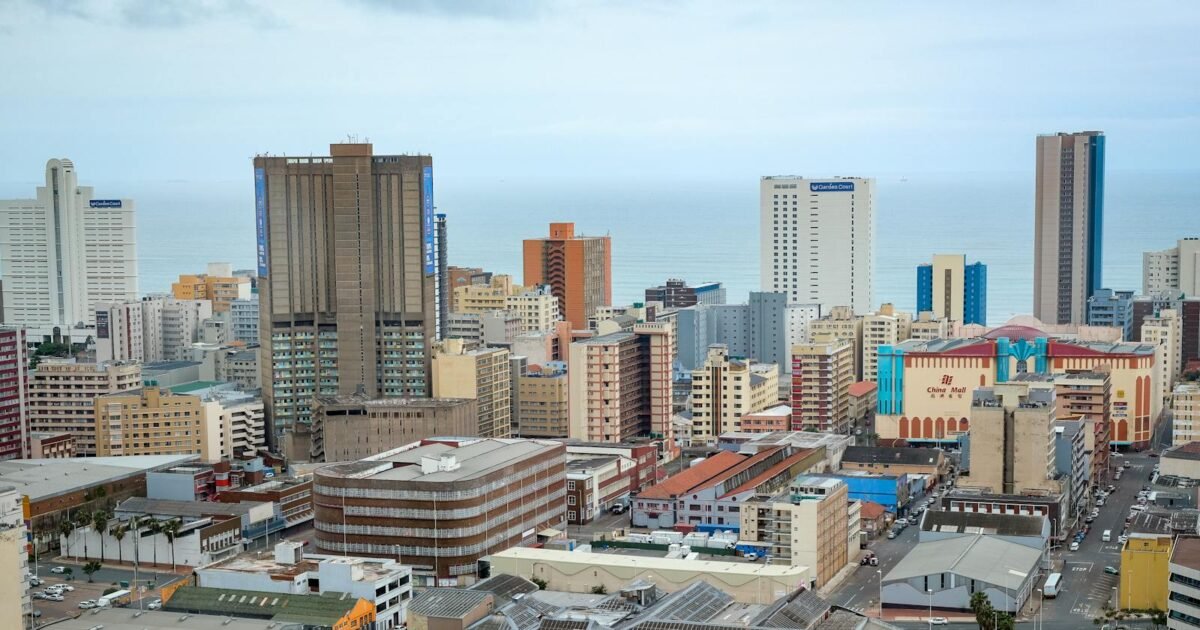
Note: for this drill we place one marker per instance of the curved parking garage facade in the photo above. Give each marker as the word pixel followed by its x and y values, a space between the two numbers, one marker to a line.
pixel 441 504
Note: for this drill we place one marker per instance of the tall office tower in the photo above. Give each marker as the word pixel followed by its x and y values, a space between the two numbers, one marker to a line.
pixel 61 395
pixel 952 289
pixel 822 374
pixel 764 329
pixel 1174 270
pixel 119 330
pixel 1012 438
pixel 816 240
pixel 887 326
pixel 64 252
pixel 347 278
pixel 727 388
pixel 577 268
pixel 1068 225
pixel 14 393
pixel 483 375
pixel 443 273
pixel 620 385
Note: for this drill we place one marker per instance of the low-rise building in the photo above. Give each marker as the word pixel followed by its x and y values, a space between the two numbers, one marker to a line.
pixel 806 525
pixel 1181 461
pixel 1030 531
pixel 874 518
pixel 286 569
pixel 944 574
pixel 709 494
pixel 890 491
pixel 291 498
pixel 645 471
pixel 1183 584
pixel 329 610
pixel 1185 413
pixel 862 403
pixel 777 418
pixel 893 460
pixel 48 445
pixel 1145 572
pixel 1050 505
pixel 595 484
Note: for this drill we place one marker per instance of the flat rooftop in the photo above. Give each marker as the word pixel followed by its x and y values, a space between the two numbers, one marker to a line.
pixel 264 562
pixel 189 509
pixel 128 619
pixel 733 570
pixel 368 401
pixel 475 458
pixel 1186 552
pixel 40 479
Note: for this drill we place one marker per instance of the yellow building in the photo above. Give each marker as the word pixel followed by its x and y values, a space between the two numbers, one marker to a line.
pixel 1185 413
pixel 218 286
pixel 485 298
pixel 885 327
pixel 840 323
pixel 151 421
pixel 726 388
pixel 61 394
pixel 483 375
pixel 1145 569
pixel 13 586
pixel 1165 331
pixel 537 307
pixel 543 409
pixel 808 525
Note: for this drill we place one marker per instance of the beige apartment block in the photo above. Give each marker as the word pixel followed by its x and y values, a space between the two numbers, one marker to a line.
pixel 1088 395
pixel 217 285
pixel 1174 270
pixel 485 298
pixel 1185 413
pixel 727 388
pixel 620 385
pixel 840 323
pixel 927 328
pixel 536 307
pixel 62 394
pixel 481 374
pixel 543 407
pixel 822 374
pixel 151 421
pixel 884 327
pixel 1166 332
pixel 1012 438
pixel 353 427
pixel 808 525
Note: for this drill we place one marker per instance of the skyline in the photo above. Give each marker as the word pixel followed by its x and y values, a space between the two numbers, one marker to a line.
pixel 700 89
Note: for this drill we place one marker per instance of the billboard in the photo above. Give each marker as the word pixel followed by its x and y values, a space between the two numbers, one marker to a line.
pixel 260 218
pixel 831 186
pixel 427 219
pixel 104 203
pixel 102 324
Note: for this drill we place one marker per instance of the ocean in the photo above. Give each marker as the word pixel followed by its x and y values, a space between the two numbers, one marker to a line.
pixel 700 229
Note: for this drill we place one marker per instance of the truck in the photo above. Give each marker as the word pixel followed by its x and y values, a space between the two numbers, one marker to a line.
pixel 117 598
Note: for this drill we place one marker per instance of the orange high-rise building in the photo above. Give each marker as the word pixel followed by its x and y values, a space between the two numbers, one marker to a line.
pixel 577 268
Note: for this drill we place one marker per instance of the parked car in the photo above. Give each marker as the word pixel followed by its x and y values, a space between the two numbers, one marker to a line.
pixel 1090 518
pixel 65 587
pixel 155 605
pixel 939 621
pixel 1112 571
pixel 33 581
pixel 87 603
pixel 1152 454
pixel 891 534
pixel 53 598
pixel 1122 539
pixel 59 570
pixel 1074 545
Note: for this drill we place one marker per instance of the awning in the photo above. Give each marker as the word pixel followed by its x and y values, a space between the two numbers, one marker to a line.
pixel 550 533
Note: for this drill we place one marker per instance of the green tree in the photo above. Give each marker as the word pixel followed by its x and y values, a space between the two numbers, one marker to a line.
pixel 119 532
pixel 90 568
pixel 100 525
pixel 155 528
pixel 171 530
pixel 68 574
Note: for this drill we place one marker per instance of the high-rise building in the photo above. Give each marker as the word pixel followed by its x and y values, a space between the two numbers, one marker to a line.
pixel 443 273
pixel 485 297
pixel 1088 396
pixel 462 276
pixel 61 395
pixel 1166 331
pixel 1175 270
pixel 243 320
pixel 119 331
pixel 1183 609
pixel 182 322
pixel 1068 225
pixel 347 277
pixel 64 252
pixel 887 326
pixel 217 285
pixel 543 409
pixel 482 375
pixel 1112 308
pixel 150 421
pixel 952 289
pixel 1185 413
pixel 620 385
pixel 840 323
pixel 14 394
pixel 1013 438
pixel 577 268
pixel 677 294
pixel 725 389
pixel 816 240
pixel 537 307
pixel 822 374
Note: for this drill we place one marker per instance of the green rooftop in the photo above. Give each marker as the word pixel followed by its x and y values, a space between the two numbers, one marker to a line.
pixel 321 610
pixel 188 388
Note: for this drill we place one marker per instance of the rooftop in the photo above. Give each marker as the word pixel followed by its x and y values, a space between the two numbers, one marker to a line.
pixel 982 523
pixel 40 479
pixel 313 609
pixel 185 509
pixel 194 386
pixel 736 572
pixel 473 458
pixel 703 474
pixel 871 510
pixel 132 619
pixel 1186 552
pixel 776 411
pixel 448 603
pixel 892 455
pixel 862 388
pixel 611 338
pixel 983 558
pixel 770 473
pixel 368 401
pixel 1191 450
pixel 154 367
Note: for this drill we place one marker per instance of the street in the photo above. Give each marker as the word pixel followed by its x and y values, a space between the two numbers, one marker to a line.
pixel 1085 587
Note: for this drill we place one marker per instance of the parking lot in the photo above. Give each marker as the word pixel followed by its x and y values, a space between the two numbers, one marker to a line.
pixel 82 590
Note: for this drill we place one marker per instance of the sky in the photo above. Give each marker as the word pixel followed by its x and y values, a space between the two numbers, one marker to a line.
pixel 190 90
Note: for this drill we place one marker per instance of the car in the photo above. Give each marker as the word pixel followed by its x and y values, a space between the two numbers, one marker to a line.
pixel 1137 508
pixel 1112 488
pixel 59 570
pixel 87 603
pixel 1100 501
pixel 1112 571
pixel 64 587
pixel 891 534
pixel 39 596
pixel 1118 454
pixel 1122 539
pixel 33 581
pixel 1074 545
pixel 1090 518
pixel 1152 454
pixel 1127 464
pixel 939 621
pixel 54 598
pixel 154 605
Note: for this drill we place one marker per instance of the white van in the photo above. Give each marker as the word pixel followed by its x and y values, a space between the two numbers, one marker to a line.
pixel 1050 589
pixel 1107 537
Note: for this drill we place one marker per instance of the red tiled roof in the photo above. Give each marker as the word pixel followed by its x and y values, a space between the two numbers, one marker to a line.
pixel 702 474
pixel 871 510
pixel 787 462
pixel 862 388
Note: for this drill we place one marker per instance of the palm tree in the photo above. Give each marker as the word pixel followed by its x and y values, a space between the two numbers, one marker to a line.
pixel 155 528
pixel 170 530
pixel 82 519
pixel 119 532
pixel 100 525
pixel 65 528
pixel 90 568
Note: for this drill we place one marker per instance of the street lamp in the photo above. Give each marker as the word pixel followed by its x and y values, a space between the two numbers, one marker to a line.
pixel 1041 601
pixel 930 617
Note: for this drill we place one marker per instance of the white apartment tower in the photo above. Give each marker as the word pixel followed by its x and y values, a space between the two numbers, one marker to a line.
pixel 1173 270
pixel 816 240
pixel 64 252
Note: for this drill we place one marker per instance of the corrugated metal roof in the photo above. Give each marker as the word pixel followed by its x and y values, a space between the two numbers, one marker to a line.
pixel 981 558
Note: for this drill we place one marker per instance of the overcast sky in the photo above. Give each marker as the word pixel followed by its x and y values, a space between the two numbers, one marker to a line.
pixel 191 89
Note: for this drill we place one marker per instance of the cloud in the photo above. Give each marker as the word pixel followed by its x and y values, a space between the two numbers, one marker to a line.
pixel 149 14
pixel 492 9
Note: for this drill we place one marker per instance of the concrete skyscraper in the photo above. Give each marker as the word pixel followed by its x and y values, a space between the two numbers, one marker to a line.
pixel 1068 225
pixel 65 251
pixel 816 239
pixel 577 268
pixel 952 289
pixel 347 280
